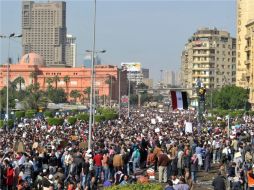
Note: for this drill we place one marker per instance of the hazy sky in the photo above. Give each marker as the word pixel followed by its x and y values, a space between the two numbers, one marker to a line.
pixel 146 31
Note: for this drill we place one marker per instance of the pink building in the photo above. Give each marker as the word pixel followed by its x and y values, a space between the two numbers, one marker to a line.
pixel 106 76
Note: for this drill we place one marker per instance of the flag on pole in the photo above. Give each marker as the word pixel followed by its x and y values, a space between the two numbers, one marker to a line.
pixel 179 100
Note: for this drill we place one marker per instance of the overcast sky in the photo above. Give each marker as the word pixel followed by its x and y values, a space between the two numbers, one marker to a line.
pixel 146 31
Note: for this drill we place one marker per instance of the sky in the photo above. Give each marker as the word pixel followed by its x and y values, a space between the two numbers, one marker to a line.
pixel 152 32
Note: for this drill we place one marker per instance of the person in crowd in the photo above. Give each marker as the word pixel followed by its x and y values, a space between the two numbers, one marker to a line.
pixel 219 182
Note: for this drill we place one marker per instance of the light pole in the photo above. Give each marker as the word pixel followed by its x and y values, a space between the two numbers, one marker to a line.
pixel 94 53
pixel 129 89
pixel 92 82
pixel 12 35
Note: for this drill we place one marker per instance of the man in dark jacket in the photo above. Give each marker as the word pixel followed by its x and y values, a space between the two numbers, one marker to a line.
pixel 163 161
pixel 219 182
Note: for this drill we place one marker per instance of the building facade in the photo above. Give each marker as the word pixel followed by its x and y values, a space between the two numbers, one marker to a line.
pixel 170 78
pixel 44 30
pixel 209 56
pixel 79 78
pixel 245 12
pixel 145 73
pixel 249 62
pixel 71 50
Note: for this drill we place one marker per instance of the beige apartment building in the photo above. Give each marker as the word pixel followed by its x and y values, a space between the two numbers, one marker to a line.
pixel 44 30
pixel 245 12
pixel 209 56
pixel 249 62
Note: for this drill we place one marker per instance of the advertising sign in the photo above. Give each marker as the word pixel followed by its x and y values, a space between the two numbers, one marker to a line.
pixel 132 66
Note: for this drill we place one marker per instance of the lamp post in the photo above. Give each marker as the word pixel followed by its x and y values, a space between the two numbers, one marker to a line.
pixel 129 89
pixel 93 86
pixel 92 82
pixel 12 35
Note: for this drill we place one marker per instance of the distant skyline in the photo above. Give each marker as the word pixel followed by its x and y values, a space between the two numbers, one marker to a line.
pixel 151 32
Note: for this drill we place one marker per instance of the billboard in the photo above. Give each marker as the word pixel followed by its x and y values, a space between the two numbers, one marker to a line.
pixel 132 66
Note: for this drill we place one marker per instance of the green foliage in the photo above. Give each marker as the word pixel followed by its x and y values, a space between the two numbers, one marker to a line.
pixel 150 186
pixel 30 113
pixel 72 120
pixel 19 114
pixel 56 95
pixel 10 123
pixel 228 97
pixel 1 123
pixel 55 121
pixel 110 116
pixel 83 117
pixel 75 94
pixel 48 114
pixel 99 118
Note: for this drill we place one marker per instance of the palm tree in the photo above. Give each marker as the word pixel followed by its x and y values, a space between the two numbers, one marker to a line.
pixel 67 80
pixel 75 94
pixel 87 91
pixel 56 79
pixel 49 81
pixel 33 76
pixel 19 80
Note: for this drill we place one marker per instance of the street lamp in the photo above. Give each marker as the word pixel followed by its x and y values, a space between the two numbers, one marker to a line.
pixel 94 53
pixel 12 35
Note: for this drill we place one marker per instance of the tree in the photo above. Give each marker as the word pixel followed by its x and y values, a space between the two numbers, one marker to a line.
pixel 19 80
pixel 87 92
pixel 228 97
pixel 33 76
pixel 49 81
pixel 56 95
pixel 67 80
pixel 56 79
pixel 75 94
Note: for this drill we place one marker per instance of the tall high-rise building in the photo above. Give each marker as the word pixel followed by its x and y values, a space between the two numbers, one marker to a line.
pixel 70 50
pixel 209 56
pixel 145 73
pixel 245 12
pixel 44 30
pixel 249 62
pixel 169 78
pixel 88 60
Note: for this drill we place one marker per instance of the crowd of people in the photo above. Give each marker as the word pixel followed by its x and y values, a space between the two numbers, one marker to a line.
pixel 34 155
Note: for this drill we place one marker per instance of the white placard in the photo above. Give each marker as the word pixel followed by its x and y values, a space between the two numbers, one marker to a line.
pixel 157 130
pixel 153 121
pixel 159 119
pixel 188 127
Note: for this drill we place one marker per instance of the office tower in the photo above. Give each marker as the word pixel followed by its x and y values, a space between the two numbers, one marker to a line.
pixel 44 30
pixel 70 50
pixel 145 73
pixel 88 60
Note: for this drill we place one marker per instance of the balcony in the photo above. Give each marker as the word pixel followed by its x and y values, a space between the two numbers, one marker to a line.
pixel 200 75
pixel 247 48
pixel 247 62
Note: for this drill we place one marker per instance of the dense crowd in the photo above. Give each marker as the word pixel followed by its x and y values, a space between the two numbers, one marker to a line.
pixel 34 155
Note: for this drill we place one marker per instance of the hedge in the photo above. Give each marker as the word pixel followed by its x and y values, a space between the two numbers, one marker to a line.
pixel 109 116
pixel 48 114
pixel 30 114
pixel 55 121
pixel 99 118
pixel 150 186
pixel 19 114
pixel 72 120
pixel 10 123
pixel 83 117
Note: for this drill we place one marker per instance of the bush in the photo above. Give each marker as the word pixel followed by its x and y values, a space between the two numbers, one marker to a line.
pixel 1 123
pixel 30 114
pixel 72 120
pixel 10 123
pixel 110 116
pixel 48 114
pixel 19 114
pixel 150 186
pixel 83 117
pixel 99 118
pixel 55 121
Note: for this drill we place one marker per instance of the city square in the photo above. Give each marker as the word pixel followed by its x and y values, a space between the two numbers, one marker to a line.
pixel 127 95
